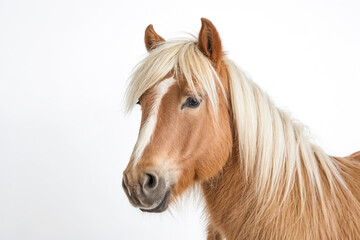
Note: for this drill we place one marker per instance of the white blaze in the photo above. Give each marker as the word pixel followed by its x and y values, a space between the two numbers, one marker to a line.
pixel 149 126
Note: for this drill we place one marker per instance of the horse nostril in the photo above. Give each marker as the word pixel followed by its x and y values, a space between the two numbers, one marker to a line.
pixel 150 181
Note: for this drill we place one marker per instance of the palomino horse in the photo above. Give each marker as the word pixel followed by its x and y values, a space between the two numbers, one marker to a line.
pixel 203 121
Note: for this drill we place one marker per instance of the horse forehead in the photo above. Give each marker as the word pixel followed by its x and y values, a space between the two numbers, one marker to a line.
pixel 158 90
pixel 162 87
pixel 151 98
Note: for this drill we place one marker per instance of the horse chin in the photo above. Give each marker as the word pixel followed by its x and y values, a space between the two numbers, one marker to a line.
pixel 163 205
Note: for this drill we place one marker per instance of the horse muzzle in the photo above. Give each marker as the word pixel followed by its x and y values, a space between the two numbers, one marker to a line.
pixel 150 193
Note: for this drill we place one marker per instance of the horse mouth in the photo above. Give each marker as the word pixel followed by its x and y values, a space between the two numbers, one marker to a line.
pixel 161 207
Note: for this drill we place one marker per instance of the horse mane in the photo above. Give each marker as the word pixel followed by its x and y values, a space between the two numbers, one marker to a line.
pixel 285 173
pixel 275 151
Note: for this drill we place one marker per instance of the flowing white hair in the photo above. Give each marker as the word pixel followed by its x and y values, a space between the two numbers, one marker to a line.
pixel 276 151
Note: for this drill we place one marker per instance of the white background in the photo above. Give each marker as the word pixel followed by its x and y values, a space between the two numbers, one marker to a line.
pixel 64 140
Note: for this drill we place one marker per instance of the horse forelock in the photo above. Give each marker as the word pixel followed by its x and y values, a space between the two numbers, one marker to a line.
pixel 185 61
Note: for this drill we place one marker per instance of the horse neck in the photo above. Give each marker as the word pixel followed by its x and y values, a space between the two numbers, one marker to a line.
pixel 275 177
pixel 234 194
pixel 269 180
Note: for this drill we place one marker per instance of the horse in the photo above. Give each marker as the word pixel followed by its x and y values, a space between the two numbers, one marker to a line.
pixel 205 122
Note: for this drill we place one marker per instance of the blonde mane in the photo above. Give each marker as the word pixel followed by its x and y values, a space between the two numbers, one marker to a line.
pixel 277 156
pixel 276 150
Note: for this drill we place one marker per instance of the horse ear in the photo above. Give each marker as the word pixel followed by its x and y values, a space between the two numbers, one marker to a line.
pixel 209 41
pixel 152 39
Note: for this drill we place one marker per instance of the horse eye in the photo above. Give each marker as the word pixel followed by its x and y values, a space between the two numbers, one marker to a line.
pixel 191 102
